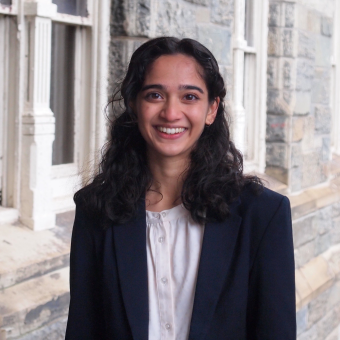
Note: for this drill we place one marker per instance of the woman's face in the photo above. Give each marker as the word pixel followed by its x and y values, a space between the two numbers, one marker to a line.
pixel 173 107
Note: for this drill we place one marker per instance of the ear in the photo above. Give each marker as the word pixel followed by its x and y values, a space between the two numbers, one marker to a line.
pixel 212 112
pixel 132 105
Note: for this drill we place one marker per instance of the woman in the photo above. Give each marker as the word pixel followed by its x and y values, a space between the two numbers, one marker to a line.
pixel 171 240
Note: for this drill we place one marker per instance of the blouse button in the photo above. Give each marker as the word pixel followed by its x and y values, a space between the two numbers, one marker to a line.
pixel 164 280
pixel 161 239
pixel 168 326
pixel 163 214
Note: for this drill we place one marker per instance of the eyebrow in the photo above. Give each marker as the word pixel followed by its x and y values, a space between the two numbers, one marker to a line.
pixel 162 87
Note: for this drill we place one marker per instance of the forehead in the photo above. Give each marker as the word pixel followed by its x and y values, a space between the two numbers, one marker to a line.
pixel 175 68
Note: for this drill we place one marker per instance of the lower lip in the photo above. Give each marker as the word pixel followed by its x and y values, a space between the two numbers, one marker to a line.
pixel 168 136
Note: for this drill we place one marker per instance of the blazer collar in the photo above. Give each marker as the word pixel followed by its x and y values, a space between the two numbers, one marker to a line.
pixel 130 246
pixel 217 249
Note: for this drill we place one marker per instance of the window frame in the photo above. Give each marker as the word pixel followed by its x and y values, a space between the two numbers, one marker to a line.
pixel 335 84
pixel 9 10
pixel 69 172
pixel 92 42
pixel 253 138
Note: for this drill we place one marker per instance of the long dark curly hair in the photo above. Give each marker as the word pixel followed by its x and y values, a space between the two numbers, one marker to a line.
pixel 214 177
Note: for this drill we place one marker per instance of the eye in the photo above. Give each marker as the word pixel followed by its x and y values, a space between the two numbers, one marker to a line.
pixel 153 95
pixel 190 97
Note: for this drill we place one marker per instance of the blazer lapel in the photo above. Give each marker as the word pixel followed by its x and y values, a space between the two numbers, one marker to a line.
pixel 130 247
pixel 217 250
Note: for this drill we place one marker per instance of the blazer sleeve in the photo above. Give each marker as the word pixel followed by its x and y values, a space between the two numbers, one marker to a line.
pixel 271 312
pixel 84 321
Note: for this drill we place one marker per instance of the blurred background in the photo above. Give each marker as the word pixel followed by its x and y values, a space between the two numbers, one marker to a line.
pixel 60 60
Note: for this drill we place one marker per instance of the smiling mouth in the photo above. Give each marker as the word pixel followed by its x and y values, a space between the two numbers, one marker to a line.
pixel 170 131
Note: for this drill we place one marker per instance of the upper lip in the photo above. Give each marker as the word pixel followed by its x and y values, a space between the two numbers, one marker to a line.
pixel 170 126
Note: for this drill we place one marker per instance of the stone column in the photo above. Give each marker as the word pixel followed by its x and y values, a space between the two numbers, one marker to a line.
pixel 38 120
pixel 298 102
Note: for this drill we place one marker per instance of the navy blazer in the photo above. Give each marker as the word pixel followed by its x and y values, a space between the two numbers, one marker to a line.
pixel 245 286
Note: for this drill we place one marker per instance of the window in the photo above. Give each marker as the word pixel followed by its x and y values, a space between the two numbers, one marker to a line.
pixel 62 91
pixel 249 104
pixel 72 7
pixel 6 2
pixel 8 108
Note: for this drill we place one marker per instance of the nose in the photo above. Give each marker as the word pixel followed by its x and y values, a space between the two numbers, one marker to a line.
pixel 171 110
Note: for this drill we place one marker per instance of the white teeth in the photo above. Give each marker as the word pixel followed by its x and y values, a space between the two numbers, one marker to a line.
pixel 170 131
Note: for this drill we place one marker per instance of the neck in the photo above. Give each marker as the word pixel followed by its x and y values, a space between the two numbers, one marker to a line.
pixel 168 177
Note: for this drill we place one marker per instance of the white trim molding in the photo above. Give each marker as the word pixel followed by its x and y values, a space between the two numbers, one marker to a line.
pixel 335 98
pixel 250 81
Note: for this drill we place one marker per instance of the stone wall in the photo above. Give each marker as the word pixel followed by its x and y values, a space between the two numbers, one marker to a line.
pixel 315 233
pixel 298 102
pixel 319 319
pixel 135 21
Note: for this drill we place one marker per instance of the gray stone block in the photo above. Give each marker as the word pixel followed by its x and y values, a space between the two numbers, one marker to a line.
pixel 305 230
pixel 323 119
pixel 119 56
pixel 276 104
pixel 227 73
pixel 327 26
pixel 335 232
pixel 295 179
pixel 274 14
pixel 176 19
pixel 199 2
pixel 317 308
pixel 288 67
pixel 334 335
pixel 308 141
pixel 296 160
pixel 322 243
pixel 304 254
pixel 130 17
pixel 208 35
pixel 311 169
pixel 222 12
pixel 334 297
pixel 324 220
pixel 274 41
pixel 289 14
pixel 305 75
pixel 306 45
pixel 277 154
pixel 272 79
pixel 298 128
pixel 310 334
pixel 52 331
pixel 321 86
pixel 277 128
pixel 288 42
pixel 323 51
pixel 118 18
pixel 301 320
pixel 336 210
pixel 328 323
pixel 313 21
pixel 303 102
pixel 326 149
pixel 287 96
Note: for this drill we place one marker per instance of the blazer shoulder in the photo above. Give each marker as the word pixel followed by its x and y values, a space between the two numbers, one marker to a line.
pixel 255 196
pixel 86 223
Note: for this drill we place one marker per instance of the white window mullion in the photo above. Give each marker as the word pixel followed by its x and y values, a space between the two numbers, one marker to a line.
pixel 335 86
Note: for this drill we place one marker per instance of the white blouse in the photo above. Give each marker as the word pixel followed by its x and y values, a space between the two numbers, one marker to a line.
pixel 174 244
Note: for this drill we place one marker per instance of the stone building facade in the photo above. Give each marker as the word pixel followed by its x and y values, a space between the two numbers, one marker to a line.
pixel 281 63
